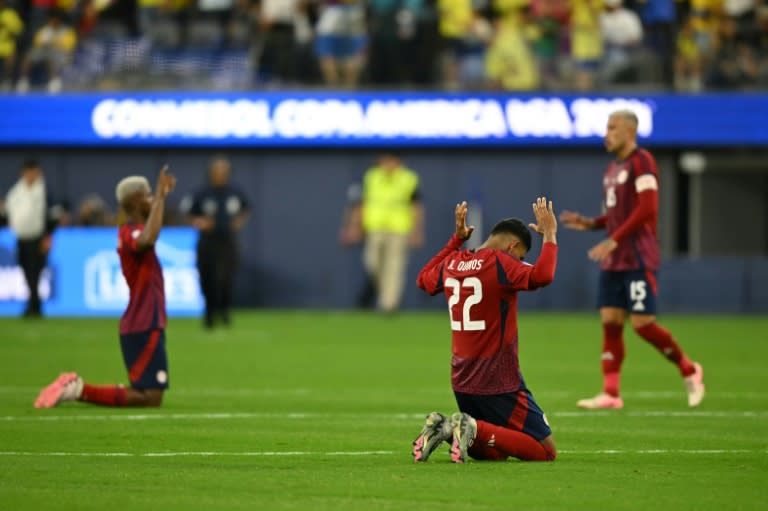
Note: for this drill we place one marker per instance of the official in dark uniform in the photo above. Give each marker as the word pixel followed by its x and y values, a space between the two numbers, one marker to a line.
pixel 219 212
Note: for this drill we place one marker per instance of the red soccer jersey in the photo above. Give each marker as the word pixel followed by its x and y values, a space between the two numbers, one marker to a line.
pixel 481 288
pixel 630 221
pixel 142 271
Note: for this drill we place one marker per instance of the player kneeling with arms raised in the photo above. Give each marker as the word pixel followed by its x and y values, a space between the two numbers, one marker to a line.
pixel 498 416
pixel 142 327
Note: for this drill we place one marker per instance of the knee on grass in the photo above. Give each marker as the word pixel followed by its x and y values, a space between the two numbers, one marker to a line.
pixel 150 398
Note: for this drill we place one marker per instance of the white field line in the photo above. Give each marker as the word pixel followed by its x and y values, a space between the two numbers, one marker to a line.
pixel 244 392
pixel 758 414
pixel 748 414
pixel 189 453
pixel 265 454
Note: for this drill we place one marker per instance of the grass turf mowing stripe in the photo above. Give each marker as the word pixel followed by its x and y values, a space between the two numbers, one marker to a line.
pixel 730 414
pixel 355 453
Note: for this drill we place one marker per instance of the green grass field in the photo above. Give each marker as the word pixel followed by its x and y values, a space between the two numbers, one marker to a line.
pixel 314 410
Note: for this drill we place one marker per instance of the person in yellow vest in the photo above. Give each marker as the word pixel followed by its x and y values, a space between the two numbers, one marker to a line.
pixel 389 218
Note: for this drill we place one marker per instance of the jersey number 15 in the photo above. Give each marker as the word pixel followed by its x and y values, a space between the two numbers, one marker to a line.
pixel 476 297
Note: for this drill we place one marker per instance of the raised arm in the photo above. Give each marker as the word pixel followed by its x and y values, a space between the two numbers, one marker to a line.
pixel 543 272
pixel 430 276
pixel 165 184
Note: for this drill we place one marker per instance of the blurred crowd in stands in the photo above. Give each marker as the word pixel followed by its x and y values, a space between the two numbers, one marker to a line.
pixel 513 45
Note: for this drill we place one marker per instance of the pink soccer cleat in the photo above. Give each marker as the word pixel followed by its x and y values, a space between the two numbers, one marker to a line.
pixel 694 384
pixel 437 429
pixel 464 433
pixel 601 401
pixel 67 387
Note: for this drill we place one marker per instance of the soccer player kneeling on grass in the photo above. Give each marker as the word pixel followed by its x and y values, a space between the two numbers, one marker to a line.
pixel 142 327
pixel 498 416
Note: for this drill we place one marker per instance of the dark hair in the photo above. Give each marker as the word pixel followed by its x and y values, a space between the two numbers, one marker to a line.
pixel 30 163
pixel 515 227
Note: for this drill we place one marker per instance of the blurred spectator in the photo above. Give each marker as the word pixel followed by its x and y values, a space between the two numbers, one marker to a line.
pixel 659 17
pixel 425 44
pixel 93 212
pixel 393 30
pixel 622 34
pixel 735 64
pixel 688 62
pixel 762 20
pixel 219 13
pixel 52 47
pixel 586 42
pixel 11 28
pixel 547 20
pixel 455 18
pixel 341 41
pixel 744 14
pixel 279 22
pixel 151 14
pixel 705 18
pixel 38 15
pixel 510 65
pixel 474 47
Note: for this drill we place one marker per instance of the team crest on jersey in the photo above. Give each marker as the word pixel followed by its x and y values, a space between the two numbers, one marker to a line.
pixel 622 177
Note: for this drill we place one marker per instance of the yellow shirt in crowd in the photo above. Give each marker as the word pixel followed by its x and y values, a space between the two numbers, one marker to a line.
pixel 509 60
pixel 10 28
pixel 61 38
pixel 586 39
pixel 455 17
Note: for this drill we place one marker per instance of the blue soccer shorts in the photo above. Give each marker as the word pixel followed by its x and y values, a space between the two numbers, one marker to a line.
pixel 633 291
pixel 514 410
pixel 145 359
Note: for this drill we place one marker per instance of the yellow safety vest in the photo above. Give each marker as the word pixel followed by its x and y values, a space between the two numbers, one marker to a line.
pixel 387 200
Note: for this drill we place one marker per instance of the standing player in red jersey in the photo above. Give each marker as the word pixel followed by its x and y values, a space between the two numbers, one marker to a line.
pixel 629 260
pixel 142 327
pixel 498 416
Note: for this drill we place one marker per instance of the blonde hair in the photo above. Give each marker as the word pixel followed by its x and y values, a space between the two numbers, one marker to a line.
pixel 130 185
pixel 627 115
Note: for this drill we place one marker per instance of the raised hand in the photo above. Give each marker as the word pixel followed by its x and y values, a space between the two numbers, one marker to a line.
pixel 574 220
pixel 546 221
pixel 165 182
pixel 462 231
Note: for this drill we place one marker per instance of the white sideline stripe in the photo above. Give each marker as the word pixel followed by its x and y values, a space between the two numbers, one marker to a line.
pixel 265 454
pixel 201 454
pixel 665 451
pixel 688 413
pixel 347 416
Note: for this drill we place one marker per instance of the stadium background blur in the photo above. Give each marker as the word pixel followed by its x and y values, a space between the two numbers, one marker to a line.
pixel 714 212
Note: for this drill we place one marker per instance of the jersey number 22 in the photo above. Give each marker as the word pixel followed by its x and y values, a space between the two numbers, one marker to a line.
pixel 476 297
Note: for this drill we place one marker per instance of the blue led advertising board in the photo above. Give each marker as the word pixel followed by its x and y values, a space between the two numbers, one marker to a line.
pixel 83 276
pixel 370 120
